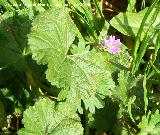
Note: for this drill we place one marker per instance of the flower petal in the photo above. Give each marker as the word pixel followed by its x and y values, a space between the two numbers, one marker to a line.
pixel 114 50
pixel 117 42
pixel 112 45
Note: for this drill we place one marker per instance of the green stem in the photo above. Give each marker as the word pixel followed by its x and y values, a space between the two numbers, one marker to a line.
pixel 86 122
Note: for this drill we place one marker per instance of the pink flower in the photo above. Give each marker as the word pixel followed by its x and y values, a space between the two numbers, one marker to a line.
pixel 112 45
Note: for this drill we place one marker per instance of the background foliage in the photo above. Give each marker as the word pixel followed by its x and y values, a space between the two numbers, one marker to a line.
pixel 56 79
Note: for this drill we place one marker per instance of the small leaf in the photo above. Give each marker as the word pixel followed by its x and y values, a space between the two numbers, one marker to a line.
pixel 150 124
pixel 47 118
pixel 126 83
pixel 13 30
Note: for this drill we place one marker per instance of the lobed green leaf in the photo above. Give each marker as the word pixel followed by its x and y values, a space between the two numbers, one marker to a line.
pixel 47 118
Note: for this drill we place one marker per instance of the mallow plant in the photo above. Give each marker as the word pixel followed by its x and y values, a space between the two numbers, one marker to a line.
pixel 64 71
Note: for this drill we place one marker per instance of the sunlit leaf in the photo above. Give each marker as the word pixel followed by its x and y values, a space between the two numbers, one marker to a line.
pixel 47 118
